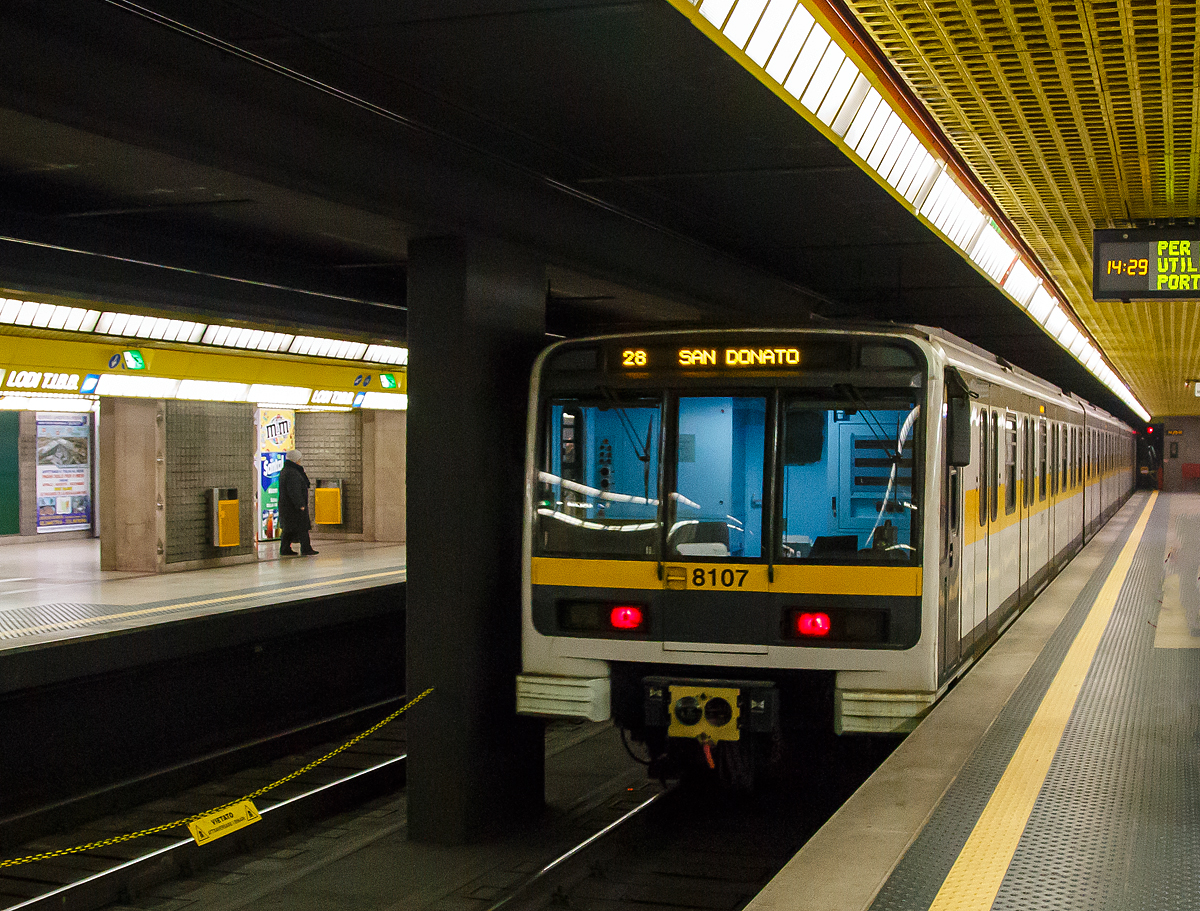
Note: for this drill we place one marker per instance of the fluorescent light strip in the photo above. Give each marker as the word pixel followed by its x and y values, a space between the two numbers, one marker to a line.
pixel 794 36
pixel 855 100
pixel 211 391
pixel 839 90
pixel 10 402
pixel 281 395
pixel 1021 283
pixel 770 29
pixel 141 387
pixel 806 63
pixel 385 401
pixel 745 16
pixel 782 37
pixel 822 79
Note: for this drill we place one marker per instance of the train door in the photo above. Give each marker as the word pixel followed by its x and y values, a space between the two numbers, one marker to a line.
pixel 995 564
pixel 950 591
pixel 1011 513
pixel 1039 544
pixel 1028 488
pixel 715 516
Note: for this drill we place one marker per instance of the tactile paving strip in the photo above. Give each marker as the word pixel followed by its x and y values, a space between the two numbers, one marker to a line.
pixel 916 880
pixel 1117 824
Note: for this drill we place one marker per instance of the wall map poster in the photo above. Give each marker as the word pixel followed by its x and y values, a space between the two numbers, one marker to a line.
pixel 64 472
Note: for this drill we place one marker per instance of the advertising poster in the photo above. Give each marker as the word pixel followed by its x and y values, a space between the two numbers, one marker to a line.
pixel 270 464
pixel 276 435
pixel 64 472
pixel 276 430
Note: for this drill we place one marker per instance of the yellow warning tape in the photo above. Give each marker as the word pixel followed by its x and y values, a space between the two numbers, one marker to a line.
pixel 117 839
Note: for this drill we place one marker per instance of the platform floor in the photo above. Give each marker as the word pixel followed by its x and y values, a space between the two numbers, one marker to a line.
pixel 54 590
pixel 1063 771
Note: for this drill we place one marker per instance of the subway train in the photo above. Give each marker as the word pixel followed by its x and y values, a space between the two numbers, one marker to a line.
pixel 733 536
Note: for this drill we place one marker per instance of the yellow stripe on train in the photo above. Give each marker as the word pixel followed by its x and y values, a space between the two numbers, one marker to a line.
pixel 729 577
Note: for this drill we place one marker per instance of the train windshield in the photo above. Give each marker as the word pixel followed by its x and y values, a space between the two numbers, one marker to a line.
pixel 847 475
pixel 597 489
pixel 716 509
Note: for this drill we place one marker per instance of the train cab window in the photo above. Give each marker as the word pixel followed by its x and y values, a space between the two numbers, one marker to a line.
pixel 1041 460
pixel 716 509
pixel 1010 464
pixel 597 490
pixel 847 477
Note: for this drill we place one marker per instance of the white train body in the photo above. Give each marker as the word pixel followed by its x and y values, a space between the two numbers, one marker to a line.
pixel 859 571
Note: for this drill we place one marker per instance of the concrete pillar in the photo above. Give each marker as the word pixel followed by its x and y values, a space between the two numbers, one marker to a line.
pixel 384 494
pixel 476 317
pixel 131 484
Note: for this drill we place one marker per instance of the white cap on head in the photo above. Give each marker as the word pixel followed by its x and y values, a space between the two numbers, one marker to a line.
pixel 294 456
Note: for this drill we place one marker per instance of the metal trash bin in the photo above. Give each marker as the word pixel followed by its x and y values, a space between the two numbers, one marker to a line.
pixel 224 516
pixel 327 501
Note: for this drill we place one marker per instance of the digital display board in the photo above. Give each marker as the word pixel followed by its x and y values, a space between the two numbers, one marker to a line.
pixel 745 355
pixel 1146 263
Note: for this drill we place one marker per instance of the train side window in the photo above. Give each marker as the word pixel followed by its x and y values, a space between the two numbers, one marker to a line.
pixel 1041 460
pixel 1063 459
pixel 983 466
pixel 1053 460
pixel 1028 488
pixel 1071 457
pixel 994 491
pixel 1010 464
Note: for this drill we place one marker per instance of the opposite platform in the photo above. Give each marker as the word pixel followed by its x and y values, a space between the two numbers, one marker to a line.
pixel 1061 772
pixel 54 591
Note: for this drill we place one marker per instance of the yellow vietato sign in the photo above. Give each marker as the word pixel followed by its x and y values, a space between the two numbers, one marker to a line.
pixel 220 823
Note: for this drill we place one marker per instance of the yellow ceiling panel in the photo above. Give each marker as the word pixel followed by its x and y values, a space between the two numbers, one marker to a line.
pixel 1074 115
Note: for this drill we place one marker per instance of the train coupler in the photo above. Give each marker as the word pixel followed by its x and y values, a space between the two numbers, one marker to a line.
pixel 710 711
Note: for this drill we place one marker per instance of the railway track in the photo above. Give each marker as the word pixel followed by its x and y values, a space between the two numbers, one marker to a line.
pixel 698 847
pixel 103 875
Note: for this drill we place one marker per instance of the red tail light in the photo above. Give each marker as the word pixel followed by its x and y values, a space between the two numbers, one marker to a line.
pixel 626 616
pixel 812 624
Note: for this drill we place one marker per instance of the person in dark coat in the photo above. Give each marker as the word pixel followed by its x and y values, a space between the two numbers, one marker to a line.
pixel 293 506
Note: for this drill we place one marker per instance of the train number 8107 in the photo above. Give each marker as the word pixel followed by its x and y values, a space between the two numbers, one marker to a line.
pixel 719 578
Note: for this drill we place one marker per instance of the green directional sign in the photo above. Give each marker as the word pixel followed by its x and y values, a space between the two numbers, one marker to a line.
pixel 133 359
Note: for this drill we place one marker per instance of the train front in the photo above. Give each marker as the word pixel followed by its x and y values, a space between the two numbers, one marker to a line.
pixel 723 539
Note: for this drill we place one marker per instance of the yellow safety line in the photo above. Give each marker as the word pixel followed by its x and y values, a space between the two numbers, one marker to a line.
pixel 974 880
pixel 154 830
pixel 145 612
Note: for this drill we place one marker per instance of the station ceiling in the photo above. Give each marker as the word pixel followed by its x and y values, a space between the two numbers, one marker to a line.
pixel 271 159
pixel 1075 115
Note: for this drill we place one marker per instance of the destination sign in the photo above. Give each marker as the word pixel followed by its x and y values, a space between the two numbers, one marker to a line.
pixel 734 358
pixel 1140 264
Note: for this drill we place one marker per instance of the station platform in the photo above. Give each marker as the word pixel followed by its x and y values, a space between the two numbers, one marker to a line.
pixel 1061 772
pixel 52 591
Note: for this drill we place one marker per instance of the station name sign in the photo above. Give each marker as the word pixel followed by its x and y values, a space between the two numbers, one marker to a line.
pixel 1146 263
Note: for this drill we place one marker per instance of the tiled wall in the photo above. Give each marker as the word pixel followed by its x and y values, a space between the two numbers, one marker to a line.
pixel 208 444
pixel 331 444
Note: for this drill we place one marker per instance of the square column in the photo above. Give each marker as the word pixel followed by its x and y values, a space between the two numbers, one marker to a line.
pixel 476 321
